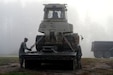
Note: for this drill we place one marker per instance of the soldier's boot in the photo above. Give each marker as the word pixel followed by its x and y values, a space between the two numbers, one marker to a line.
pixel 21 63
pixel 79 66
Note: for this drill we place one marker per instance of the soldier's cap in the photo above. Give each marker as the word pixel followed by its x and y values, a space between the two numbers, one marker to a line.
pixel 25 38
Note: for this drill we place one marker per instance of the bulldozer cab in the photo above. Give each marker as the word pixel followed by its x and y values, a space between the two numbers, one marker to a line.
pixel 55 12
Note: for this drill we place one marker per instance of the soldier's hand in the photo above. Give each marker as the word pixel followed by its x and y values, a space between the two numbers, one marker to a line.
pixel 30 49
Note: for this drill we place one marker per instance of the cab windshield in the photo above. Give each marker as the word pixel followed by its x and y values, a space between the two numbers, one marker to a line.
pixel 54 14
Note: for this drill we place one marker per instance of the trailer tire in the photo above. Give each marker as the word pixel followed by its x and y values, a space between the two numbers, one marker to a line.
pixel 107 54
pixel 98 54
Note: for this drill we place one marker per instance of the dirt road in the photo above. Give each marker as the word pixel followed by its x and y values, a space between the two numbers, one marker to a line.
pixel 90 67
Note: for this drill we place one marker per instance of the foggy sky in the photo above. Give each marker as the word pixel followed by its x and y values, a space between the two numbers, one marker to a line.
pixel 93 19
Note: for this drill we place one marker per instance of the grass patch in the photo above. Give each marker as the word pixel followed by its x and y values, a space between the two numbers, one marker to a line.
pixel 96 60
pixel 7 60
pixel 16 73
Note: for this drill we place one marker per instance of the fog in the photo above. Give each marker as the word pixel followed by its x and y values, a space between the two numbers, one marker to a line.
pixel 92 19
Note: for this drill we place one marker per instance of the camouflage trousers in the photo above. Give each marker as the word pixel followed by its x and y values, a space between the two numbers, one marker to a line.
pixel 21 61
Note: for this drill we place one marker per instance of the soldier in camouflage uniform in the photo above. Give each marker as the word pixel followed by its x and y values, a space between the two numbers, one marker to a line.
pixel 22 49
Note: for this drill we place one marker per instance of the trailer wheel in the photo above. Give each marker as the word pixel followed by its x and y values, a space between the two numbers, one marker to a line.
pixel 98 54
pixel 107 54
pixel 40 42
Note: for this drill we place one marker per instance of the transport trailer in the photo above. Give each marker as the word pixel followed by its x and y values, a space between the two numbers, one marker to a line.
pixel 102 49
